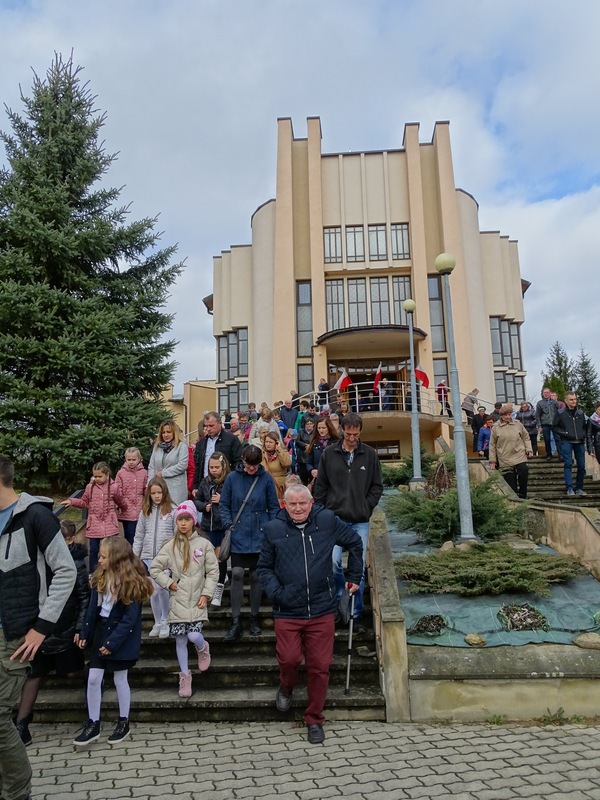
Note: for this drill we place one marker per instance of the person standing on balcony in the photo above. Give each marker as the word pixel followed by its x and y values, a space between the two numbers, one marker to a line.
pixel 468 405
pixel 545 411
pixel 510 447
pixel 289 413
pixel 443 396
pixel 323 392
pixel 570 429
pixel 350 484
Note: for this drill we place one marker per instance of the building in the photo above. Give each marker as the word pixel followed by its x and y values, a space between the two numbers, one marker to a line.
pixel 188 409
pixel 347 238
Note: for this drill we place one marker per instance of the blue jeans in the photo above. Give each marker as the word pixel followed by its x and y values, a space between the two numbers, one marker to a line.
pixel 362 528
pixel 567 451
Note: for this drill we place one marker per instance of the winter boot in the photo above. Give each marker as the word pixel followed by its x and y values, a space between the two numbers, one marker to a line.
pixel 185 684
pixel 235 631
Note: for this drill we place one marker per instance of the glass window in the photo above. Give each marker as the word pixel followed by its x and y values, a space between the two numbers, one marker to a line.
pixel 233 354
pixel 380 301
pixel 400 292
pixel 332 245
pixel 500 387
pixel 222 356
pixel 357 302
pixel 496 342
pixel 305 379
pixel 334 300
pixel 242 351
pixel 440 371
pixel 515 341
pixel 233 402
pixel 377 243
pixel 436 314
pixel 304 333
pixel 355 243
pixel 223 399
pixel 519 389
pixel 400 242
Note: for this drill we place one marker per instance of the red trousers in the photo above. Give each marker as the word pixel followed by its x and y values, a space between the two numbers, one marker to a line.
pixel 310 640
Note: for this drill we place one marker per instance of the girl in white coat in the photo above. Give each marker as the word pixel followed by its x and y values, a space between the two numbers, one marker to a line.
pixel 155 526
pixel 187 566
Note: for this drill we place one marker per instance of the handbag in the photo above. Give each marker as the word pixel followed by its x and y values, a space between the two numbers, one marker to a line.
pixel 225 549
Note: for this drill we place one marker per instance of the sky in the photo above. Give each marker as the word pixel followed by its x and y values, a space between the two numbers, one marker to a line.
pixel 192 90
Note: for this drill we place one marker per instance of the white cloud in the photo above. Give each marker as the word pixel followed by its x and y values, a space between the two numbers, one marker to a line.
pixel 192 91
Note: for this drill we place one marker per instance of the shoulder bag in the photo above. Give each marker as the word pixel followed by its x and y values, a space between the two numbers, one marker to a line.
pixel 226 543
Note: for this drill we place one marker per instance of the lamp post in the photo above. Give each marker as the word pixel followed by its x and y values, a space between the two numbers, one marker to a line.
pixel 417 480
pixel 444 264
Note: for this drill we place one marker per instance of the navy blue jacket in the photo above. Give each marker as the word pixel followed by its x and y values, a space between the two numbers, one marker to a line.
pixel 295 566
pixel 123 632
pixel 570 426
pixel 247 535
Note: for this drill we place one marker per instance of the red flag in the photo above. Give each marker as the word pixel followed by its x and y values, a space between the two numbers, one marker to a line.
pixel 377 380
pixel 421 375
pixel 343 381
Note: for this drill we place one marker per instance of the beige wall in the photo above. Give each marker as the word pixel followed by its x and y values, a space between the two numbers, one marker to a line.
pixel 188 409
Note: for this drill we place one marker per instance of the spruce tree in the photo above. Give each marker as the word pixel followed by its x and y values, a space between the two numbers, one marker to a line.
pixel 587 384
pixel 82 352
pixel 560 370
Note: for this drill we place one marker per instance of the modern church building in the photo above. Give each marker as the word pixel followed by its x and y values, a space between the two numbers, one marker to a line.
pixel 319 291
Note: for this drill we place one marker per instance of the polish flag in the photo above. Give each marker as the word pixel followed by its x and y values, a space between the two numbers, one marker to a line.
pixel 377 380
pixel 421 375
pixel 342 382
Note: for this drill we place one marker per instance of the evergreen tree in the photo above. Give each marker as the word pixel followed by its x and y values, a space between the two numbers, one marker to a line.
pixel 587 384
pixel 82 355
pixel 560 370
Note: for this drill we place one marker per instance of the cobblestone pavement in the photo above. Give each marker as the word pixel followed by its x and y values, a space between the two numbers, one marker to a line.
pixel 358 760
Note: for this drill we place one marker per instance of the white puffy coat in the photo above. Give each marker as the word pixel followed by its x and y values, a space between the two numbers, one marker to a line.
pixel 200 578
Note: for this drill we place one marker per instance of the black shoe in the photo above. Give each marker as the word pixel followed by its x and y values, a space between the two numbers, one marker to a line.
pixel 235 631
pixel 22 727
pixel 358 629
pixel 316 734
pixel 283 700
pixel 255 629
pixel 89 733
pixel 120 732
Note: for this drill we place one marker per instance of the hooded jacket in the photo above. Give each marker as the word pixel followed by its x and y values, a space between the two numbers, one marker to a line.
pixel 295 564
pixel 101 501
pixel 200 578
pixel 131 482
pixel 72 619
pixel 37 572
pixel 262 505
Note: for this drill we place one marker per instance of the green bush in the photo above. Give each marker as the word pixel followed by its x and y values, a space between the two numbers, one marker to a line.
pixel 400 475
pixel 437 520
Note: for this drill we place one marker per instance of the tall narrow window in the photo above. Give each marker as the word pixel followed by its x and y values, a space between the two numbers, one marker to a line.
pixel 436 314
pixel 233 354
pixel 357 302
pixel 496 341
pixel 304 332
pixel 400 242
pixel 334 300
pixel 515 340
pixel 332 245
pixel 355 243
pixel 223 361
pixel 380 301
pixel 377 243
pixel 305 379
pixel 242 351
pixel 400 292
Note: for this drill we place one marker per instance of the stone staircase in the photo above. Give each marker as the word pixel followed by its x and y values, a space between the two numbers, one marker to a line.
pixel 546 483
pixel 239 686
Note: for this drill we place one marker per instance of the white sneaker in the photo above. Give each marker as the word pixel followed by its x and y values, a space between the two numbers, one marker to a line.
pixel 155 630
pixel 163 630
pixel 218 595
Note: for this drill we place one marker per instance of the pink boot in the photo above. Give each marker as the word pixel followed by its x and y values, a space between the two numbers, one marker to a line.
pixel 204 658
pixel 185 684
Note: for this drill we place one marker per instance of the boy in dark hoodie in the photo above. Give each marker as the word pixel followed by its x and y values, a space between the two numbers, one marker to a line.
pixel 59 652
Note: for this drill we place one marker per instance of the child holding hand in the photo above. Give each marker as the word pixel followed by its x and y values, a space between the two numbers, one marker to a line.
pixel 187 566
pixel 113 627
pixel 101 497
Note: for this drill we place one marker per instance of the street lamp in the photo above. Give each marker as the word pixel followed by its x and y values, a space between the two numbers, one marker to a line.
pixel 417 480
pixel 444 264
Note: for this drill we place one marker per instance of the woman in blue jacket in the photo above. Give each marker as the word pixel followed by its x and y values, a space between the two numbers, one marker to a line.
pixel 248 532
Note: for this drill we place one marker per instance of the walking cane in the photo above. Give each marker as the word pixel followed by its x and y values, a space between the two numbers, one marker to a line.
pixel 350 631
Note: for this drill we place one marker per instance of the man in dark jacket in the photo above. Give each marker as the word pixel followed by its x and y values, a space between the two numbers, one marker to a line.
pixel 295 569
pixel 37 577
pixel 570 429
pixel 215 438
pixel 349 483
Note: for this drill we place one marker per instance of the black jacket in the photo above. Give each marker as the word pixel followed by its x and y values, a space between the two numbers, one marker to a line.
pixel 350 492
pixel 37 572
pixel 295 566
pixel 211 520
pixel 570 426
pixel 226 443
pixel 72 618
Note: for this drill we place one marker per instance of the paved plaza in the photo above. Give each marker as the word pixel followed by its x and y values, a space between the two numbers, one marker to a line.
pixel 221 761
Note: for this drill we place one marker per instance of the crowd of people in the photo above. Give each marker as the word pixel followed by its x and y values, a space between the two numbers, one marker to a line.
pixel 291 490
